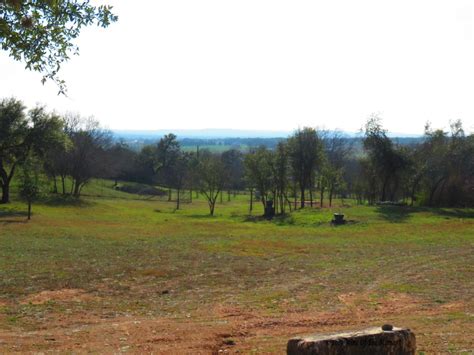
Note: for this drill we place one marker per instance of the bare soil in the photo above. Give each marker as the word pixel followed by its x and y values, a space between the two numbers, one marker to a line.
pixel 226 328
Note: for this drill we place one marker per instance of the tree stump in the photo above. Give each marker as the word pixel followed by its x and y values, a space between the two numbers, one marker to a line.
pixel 269 210
pixel 338 219
pixel 374 341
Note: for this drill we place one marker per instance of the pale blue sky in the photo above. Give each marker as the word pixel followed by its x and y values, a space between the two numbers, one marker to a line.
pixel 268 64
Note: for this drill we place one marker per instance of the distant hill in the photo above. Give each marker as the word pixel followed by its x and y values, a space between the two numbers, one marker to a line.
pixel 225 139
pixel 213 133
pixel 202 133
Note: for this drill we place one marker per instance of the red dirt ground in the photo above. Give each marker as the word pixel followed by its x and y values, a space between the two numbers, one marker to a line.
pixel 226 329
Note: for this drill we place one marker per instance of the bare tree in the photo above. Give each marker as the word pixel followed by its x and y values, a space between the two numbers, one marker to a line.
pixel 233 162
pixel 212 177
pixel 280 169
pixel 259 172
pixel 336 150
pixel 178 173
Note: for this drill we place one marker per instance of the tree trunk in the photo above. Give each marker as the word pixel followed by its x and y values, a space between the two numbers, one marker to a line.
pixel 302 197
pixel 394 190
pixel 63 184
pixel 6 179
pixel 191 195
pixel 169 195
pixel 413 191
pixel 286 201
pixel 29 210
pixel 412 196
pixel 331 191
pixel 5 193
pixel 228 195
pixel 55 185
pixel 384 187
pixel 311 197
pixel 177 200
pixel 251 201
pixel 295 200
pixel 321 200
pixel 77 189
pixel 282 203
pixel 433 191
pixel 440 194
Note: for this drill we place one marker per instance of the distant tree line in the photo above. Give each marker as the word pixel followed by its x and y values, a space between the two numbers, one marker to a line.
pixel 309 168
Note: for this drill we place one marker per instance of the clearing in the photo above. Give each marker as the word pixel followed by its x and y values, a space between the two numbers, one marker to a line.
pixel 119 272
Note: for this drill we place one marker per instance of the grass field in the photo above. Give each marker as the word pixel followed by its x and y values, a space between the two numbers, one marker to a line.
pixel 119 272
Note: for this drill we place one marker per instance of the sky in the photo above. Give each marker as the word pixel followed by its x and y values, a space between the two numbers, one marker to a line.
pixel 267 65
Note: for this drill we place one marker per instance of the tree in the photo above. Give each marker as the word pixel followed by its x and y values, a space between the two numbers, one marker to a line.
pixel 416 169
pixel 21 134
pixel 177 172
pixel 193 170
pixel 379 148
pixel 56 165
pixel 167 153
pixel 259 172
pixel 30 184
pixel 57 160
pixel 387 160
pixel 448 166
pixel 280 169
pixel 87 153
pixel 234 165
pixel 369 180
pixel 42 32
pixel 305 154
pixel 145 165
pixel 336 151
pixel 121 161
pixel 13 131
pixel 212 177
pixel 161 158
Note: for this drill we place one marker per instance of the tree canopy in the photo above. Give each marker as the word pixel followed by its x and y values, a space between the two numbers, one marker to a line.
pixel 41 33
pixel 21 134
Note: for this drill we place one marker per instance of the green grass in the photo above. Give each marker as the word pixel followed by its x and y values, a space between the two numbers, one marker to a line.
pixel 127 250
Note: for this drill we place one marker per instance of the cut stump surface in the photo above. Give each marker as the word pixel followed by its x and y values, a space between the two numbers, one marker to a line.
pixel 373 341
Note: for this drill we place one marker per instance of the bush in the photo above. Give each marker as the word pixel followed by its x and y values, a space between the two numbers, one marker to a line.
pixel 141 189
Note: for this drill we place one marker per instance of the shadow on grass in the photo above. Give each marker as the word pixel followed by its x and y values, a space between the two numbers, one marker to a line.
pixel 399 214
pixel 454 212
pixel 10 212
pixel 280 220
pixel 198 216
pixel 59 200
pixel 395 214
pixel 6 213
pixel 5 222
